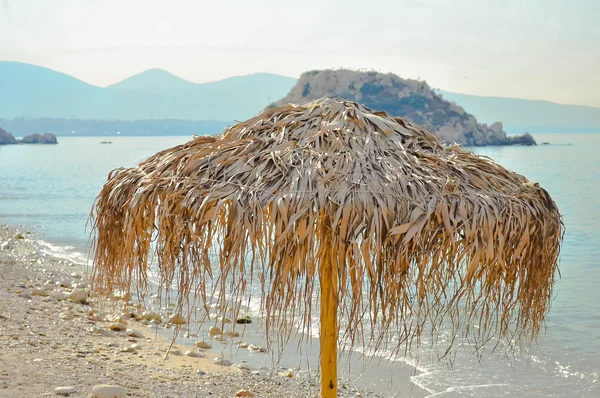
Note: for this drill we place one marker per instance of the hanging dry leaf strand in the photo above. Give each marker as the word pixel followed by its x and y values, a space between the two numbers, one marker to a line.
pixel 419 232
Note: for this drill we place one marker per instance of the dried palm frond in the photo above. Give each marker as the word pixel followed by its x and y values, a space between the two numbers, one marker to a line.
pixel 414 231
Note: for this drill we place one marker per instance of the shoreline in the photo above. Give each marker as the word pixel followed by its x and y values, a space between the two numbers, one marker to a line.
pixel 70 344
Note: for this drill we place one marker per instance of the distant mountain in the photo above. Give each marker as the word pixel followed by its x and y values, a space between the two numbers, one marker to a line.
pixel 156 82
pixel 410 99
pixel 34 92
pixel 519 115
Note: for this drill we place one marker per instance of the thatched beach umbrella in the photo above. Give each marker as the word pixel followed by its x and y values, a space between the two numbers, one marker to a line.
pixel 399 230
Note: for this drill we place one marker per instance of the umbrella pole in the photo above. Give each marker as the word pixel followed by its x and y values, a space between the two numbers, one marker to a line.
pixel 329 327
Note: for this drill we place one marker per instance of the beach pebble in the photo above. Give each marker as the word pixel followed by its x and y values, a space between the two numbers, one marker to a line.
pixel 58 295
pixel 117 326
pixel 231 333
pixel 65 315
pixel 38 292
pixel 244 393
pixel 103 332
pixel 221 361
pixel 26 295
pixel 134 333
pixel 75 275
pixel 214 331
pixel 194 354
pixel 66 390
pixel 177 353
pixel 97 318
pixel 203 344
pixel 108 391
pixel 78 296
pixel 127 349
pixel 64 283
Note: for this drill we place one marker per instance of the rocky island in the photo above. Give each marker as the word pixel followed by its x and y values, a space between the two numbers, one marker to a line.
pixel 7 138
pixel 410 99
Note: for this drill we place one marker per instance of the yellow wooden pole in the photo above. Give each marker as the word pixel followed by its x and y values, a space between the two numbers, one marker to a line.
pixel 329 326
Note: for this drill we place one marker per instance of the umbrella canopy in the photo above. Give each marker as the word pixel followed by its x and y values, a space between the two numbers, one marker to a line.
pixel 396 229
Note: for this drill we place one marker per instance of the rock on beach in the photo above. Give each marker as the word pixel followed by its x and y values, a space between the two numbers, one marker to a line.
pixel 109 391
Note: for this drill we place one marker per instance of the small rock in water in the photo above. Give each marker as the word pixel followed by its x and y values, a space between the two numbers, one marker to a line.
pixel 221 361
pixel 231 333
pixel 243 365
pixel 194 354
pixel 203 344
pixel 244 320
pixel 38 292
pixel 214 331
pixel 67 390
pixel 109 391
pixel 134 333
pixel 177 320
pixel 117 326
pixel 243 344
pixel 244 393
pixel 78 296
pixel 152 316
pixel 255 348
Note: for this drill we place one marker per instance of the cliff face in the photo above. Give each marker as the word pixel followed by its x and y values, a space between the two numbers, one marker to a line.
pixel 47 138
pixel 411 99
pixel 6 138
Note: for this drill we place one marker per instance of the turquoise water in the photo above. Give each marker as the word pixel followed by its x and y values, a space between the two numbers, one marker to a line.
pixel 50 190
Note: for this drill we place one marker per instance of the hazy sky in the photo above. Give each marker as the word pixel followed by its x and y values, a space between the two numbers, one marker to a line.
pixel 539 49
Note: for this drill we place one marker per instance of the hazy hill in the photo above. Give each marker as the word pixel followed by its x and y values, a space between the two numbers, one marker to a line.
pixel 32 92
pixel 410 99
pixel 35 92
pixel 528 115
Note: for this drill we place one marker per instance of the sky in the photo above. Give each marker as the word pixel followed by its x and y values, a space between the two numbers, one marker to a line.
pixel 534 49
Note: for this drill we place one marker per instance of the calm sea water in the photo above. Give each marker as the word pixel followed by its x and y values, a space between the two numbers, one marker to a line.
pixel 50 190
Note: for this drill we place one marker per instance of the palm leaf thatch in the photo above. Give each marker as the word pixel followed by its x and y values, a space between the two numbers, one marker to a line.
pixel 401 230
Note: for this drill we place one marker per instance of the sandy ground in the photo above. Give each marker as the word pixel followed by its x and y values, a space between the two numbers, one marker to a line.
pixel 47 341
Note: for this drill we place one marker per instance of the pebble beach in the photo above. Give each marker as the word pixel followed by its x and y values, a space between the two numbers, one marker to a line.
pixel 58 339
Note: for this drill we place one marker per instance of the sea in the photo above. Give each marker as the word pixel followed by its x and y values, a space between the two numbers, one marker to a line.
pixel 50 189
